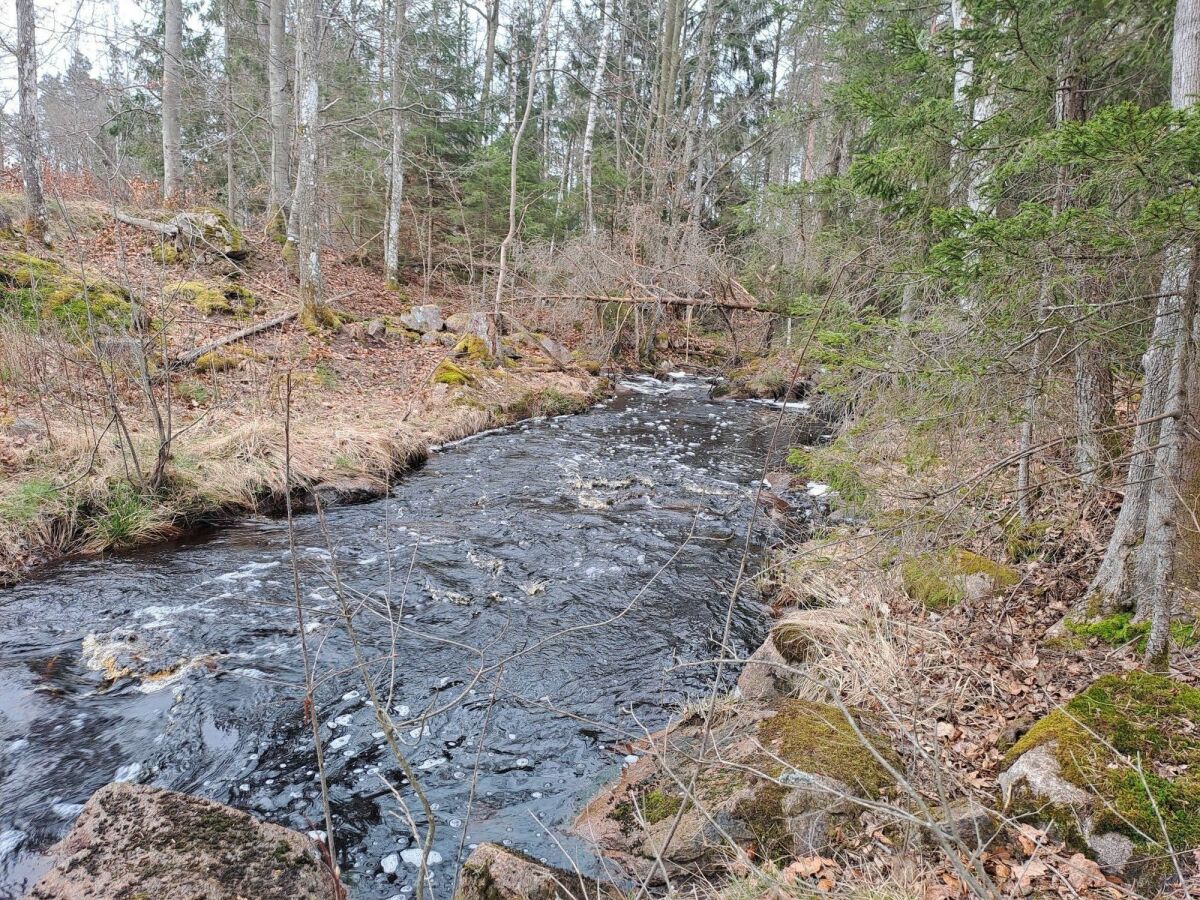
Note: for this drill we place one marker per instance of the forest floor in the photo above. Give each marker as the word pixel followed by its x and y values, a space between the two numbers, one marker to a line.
pixel 79 421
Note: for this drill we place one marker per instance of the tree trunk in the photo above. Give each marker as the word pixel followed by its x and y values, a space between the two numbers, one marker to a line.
pixel 391 250
pixel 1162 452
pixel 495 328
pixel 489 66
pixel 1093 414
pixel 31 160
pixel 230 125
pixel 172 62
pixel 303 230
pixel 589 131
pixel 280 113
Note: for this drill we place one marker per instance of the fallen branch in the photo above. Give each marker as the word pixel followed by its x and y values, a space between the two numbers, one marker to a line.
pixel 164 228
pixel 649 299
pixel 186 359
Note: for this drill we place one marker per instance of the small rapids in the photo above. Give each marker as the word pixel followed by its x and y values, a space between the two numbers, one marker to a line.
pixel 530 600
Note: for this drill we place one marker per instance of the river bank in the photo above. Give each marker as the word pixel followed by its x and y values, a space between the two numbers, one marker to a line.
pixel 108 442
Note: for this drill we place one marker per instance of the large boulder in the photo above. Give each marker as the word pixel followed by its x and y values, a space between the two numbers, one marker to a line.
pixel 493 872
pixel 1115 772
pixel 137 841
pixel 786 784
pixel 426 319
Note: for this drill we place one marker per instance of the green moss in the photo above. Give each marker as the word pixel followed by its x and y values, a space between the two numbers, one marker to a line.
pixel 655 805
pixel 589 365
pixel 824 466
pixel 210 299
pixel 1121 629
pixel 216 361
pixel 1149 720
pixel 26 502
pixel 448 373
pixel 34 289
pixel 167 254
pixel 194 392
pixel 318 317
pixel 219 233
pixel 474 348
pixel 936 579
pixel 817 738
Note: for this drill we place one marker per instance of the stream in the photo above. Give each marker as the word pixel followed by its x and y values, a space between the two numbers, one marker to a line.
pixel 530 599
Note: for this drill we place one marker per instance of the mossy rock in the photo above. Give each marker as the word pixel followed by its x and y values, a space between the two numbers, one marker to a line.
pixel 474 348
pixel 211 229
pixel 227 298
pixel 449 373
pixel 942 580
pixel 1130 744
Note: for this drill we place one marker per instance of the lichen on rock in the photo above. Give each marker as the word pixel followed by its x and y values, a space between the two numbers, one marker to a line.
pixel 137 841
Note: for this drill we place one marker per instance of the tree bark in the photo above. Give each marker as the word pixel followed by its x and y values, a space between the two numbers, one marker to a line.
pixel 27 116
pixel 279 112
pixel 1139 566
pixel 172 62
pixel 589 131
pixel 303 231
pixel 391 250
pixel 230 125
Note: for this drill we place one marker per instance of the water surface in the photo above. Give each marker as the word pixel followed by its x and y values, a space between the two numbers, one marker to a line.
pixel 563 583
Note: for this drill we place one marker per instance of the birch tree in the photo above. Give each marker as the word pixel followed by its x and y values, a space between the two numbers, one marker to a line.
pixel 589 131
pixel 172 62
pixel 391 250
pixel 31 158
pixel 280 114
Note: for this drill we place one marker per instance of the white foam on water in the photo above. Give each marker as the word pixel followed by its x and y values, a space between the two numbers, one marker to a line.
pixel 413 856
pixel 10 841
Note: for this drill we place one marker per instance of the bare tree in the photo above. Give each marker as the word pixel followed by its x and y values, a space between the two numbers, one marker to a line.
pixel 495 329
pixel 31 161
pixel 303 231
pixel 391 249
pixel 172 61
pixel 589 131
pixel 280 110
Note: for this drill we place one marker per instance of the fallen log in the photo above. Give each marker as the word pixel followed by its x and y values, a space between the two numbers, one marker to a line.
pixel 651 299
pixel 163 228
pixel 186 359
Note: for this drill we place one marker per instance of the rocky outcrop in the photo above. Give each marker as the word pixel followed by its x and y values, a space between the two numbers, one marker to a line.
pixel 784 783
pixel 493 872
pixel 1114 773
pixel 137 841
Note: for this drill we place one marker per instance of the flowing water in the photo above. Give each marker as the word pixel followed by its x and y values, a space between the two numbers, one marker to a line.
pixel 529 600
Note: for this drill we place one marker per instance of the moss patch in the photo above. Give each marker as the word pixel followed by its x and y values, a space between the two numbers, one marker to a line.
pixel 1121 629
pixel 936 579
pixel 216 361
pixel 816 738
pixel 448 373
pixel 212 299
pixel 655 805
pixel 474 348
pixel 33 289
pixel 1147 719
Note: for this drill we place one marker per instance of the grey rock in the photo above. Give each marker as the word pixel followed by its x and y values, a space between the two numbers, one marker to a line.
pixel 1112 851
pixel 138 841
pixel 425 319
pixel 492 872
pixel 969 822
